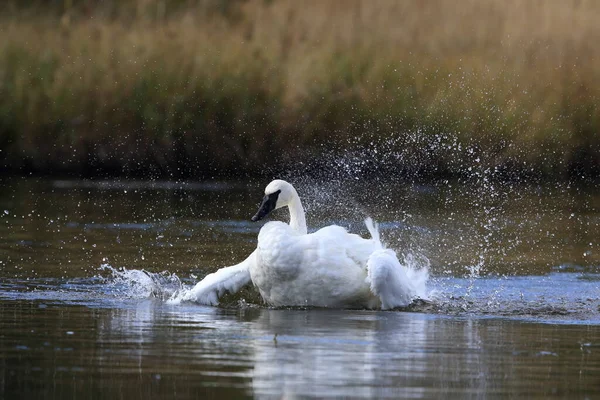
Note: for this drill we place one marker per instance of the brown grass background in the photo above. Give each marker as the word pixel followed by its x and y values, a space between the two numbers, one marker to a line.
pixel 193 88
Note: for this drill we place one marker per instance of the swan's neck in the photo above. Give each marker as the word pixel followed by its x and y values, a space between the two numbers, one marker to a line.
pixel 297 218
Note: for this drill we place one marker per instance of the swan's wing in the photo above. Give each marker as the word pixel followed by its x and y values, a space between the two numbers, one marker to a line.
pixel 225 280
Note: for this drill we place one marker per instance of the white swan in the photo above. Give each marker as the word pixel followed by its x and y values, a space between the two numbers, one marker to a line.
pixel 327 268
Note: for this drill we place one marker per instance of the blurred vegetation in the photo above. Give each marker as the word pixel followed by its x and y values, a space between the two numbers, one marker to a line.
pixel 194 88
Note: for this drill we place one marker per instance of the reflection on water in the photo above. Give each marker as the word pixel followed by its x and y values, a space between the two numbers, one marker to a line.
pixel 144 348
pixel 515 287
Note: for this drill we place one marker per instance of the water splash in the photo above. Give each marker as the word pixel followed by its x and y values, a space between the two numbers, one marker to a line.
pixel 141 284
pixel 417 266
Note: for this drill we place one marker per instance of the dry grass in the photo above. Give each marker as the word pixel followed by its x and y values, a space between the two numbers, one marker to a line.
pixel 184 87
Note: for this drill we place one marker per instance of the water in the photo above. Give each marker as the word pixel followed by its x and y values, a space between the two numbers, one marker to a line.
pixel 86 268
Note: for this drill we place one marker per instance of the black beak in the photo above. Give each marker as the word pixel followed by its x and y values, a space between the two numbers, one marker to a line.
pixel 268 204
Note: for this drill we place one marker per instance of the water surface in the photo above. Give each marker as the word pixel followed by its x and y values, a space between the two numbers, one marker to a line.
pixel 86 266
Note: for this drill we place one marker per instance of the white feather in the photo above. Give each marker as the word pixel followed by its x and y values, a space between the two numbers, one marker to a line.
pixel 389 280
pixel 225 280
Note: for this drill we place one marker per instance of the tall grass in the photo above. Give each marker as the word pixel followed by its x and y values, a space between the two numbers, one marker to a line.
pixel 180 88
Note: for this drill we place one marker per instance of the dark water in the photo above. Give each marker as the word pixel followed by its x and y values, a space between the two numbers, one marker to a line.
pixel 86 266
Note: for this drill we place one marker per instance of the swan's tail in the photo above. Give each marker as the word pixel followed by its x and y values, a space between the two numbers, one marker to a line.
pixel 373 228
pixel 388 280
pixel 396 284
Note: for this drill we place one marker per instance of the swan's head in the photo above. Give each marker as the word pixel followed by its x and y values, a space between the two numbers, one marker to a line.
pixel 277 194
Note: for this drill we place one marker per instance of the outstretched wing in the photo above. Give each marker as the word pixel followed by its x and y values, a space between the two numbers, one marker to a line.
pixel 226 280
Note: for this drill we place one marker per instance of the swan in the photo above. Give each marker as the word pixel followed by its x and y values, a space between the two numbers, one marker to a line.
pixel 327 268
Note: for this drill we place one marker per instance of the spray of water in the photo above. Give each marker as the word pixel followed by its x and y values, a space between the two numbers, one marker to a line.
pixel 141 284
pixel 468 258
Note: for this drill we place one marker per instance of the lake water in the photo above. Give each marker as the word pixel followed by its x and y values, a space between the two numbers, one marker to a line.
pixel 86 267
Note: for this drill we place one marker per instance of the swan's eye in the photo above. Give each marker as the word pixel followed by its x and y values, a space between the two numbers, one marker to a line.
pixel 274 196
pixel 268 204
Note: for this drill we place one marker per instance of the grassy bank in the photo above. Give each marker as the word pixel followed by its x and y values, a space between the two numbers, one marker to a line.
pixel 185 88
